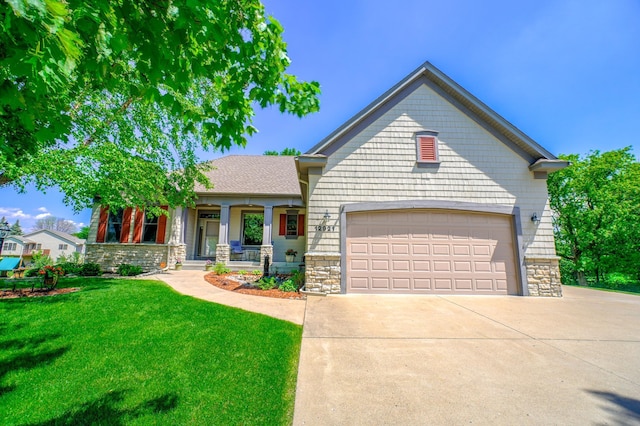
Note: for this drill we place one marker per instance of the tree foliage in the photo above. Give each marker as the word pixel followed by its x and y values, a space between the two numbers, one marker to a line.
pixel 596 201
pixel 55 224
pixel 285 152
pixel 16 229
pixel 115 99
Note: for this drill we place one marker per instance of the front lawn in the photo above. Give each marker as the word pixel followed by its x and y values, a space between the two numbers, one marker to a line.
pixel 136 352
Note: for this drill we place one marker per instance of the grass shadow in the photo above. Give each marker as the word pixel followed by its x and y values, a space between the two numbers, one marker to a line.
pixel 626 410
pixel 105 410
pixel 30 360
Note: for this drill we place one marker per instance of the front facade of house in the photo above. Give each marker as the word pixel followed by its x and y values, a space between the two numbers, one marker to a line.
pixel 425 191
pixel 254 210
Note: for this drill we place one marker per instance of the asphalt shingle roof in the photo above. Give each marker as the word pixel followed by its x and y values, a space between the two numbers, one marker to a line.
pixel 253 175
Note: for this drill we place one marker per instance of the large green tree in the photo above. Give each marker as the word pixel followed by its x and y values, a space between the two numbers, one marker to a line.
pixel 596 203
pixel 114 99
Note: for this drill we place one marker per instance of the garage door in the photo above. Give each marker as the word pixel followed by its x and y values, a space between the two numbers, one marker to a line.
pixel 430 252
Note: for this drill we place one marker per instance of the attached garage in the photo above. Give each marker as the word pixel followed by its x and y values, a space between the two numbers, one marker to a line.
pixel 430 252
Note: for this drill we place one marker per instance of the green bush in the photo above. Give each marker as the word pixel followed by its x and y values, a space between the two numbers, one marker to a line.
pixel 31 272
pixel 618 281
pixel 127 270
pixel 298 279
pixel 267 283
pixel 242 272
pixel 288 285
pixel 220 269
pixel 70 267
pixel 90 270
pixel 257 272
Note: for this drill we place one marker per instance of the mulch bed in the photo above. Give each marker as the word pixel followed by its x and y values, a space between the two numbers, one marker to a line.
pixel 38 292
pixel 241 284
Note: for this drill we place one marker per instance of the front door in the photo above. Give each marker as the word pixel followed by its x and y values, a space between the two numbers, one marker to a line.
pixel 210 238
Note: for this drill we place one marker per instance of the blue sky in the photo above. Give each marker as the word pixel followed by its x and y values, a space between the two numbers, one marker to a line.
pixel 567 73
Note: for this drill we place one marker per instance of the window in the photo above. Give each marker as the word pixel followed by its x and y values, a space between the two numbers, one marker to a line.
pixel 38 246
pixel 292 224
pixel 114 226
pixel 10 246
pixel 150 229
pixel 252 228
pixel 427 147
pixel 62 246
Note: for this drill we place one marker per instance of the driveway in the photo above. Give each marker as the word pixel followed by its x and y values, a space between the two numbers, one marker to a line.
pixel 373 360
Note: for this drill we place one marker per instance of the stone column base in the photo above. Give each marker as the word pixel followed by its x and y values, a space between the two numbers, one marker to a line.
pixel 322 272
pixel 266 250
pixel 543 276
pixel 222 253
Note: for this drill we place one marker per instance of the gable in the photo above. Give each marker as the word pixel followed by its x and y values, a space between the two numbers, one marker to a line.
pixel 454 95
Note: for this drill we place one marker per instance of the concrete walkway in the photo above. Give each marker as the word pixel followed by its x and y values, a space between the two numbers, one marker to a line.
pixel 449 360
pixel 193 284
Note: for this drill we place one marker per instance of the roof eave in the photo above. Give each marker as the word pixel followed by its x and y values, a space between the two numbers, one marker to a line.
pixel 549 166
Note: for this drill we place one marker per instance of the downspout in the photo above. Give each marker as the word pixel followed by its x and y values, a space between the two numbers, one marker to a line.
pixel 303 289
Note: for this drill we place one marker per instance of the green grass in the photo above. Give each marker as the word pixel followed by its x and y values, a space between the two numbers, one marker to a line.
pixel 136 352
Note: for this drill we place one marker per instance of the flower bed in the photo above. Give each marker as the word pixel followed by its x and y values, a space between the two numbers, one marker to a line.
pixel 243 284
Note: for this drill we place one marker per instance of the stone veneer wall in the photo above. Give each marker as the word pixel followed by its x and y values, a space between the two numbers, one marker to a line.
pixel 266 250
pixel 543 276
pixel 148 256
pixel 223 253
pixel 322 272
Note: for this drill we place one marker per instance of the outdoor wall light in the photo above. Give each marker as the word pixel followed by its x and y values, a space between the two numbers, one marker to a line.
pixel 535 218
pixel 326 216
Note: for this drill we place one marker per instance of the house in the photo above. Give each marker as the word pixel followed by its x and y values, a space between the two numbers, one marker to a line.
pixel 49 242
pixel 425 191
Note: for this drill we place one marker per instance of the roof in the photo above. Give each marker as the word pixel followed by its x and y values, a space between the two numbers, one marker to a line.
pixel 253 175
pixel 68 237
pixel 20 238
pixel 455 94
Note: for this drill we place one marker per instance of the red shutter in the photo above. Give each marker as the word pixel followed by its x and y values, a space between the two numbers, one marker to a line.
pixel 427 148
pixel 138 222
pixel 126 225
pixel 102 224
pixel 162 226
pixel 283 224
pixel 301 225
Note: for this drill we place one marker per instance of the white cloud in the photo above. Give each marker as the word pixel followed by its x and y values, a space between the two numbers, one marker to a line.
pixel 13 213
pixel 42 215
pixel 43 209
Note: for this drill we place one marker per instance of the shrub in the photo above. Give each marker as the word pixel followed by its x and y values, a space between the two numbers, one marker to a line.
pixel 127 270
pixel 298 279
pixel 257 272
pixel 39 260
pixel 69 267
pixel 617 281
pixel 288 285
pixel 90 270
pixel 31 272
pixel 267 283
pixel 242 272
pixel 220 269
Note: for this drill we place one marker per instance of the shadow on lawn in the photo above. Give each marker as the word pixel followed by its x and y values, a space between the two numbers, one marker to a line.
pixel 104 410
pixel 23 354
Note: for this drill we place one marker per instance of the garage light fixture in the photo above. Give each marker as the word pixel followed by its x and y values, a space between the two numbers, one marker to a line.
pixel 535 218
pixel 326 216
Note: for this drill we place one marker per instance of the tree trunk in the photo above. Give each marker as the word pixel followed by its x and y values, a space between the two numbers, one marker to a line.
pixel 582 279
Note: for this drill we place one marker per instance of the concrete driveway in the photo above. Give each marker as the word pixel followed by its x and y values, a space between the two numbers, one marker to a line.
pixel 415 360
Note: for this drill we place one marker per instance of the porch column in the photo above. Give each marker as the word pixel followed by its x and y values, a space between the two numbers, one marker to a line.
pixel 267 249
pixel 223 234
pixel 222 249
pixel 268 224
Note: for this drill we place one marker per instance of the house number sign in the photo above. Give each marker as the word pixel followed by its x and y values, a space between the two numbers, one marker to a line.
pixel 326 228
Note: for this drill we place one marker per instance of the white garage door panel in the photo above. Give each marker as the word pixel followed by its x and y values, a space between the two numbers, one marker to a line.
pixel 421 251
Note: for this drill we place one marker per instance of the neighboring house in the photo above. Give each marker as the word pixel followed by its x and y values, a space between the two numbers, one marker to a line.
pixel 425 191
pixel 49 242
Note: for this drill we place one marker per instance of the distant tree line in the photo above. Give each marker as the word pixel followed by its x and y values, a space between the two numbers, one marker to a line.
pixel 596 205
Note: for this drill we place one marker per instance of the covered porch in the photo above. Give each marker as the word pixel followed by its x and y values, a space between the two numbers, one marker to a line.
pixel 243 232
